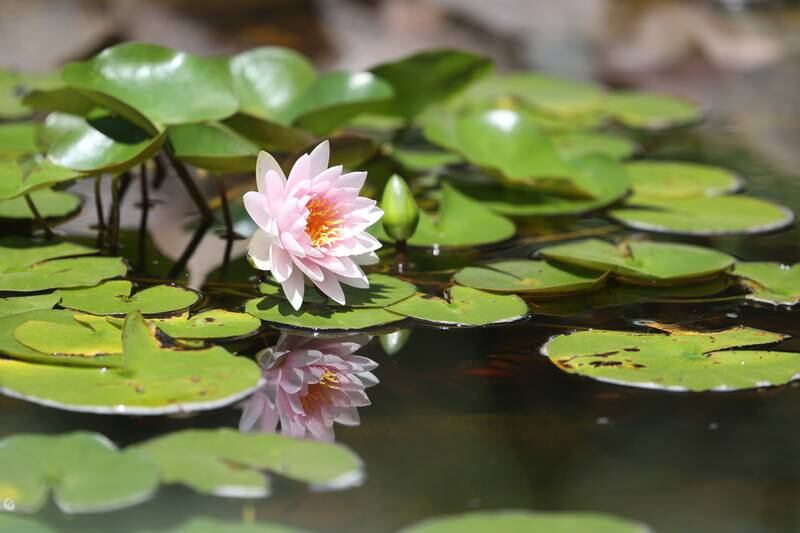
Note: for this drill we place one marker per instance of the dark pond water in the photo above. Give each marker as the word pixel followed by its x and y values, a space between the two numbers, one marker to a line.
pixel 477 419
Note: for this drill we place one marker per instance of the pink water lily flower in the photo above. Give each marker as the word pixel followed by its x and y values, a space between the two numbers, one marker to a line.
pixel 311 383
pixel 312 224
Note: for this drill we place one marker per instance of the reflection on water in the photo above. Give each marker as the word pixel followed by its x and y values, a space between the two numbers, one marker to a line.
pixel 311 384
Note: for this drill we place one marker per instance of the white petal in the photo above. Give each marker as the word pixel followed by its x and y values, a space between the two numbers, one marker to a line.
pixel 352 180
pixel 319 158
pixel 331 288
pixel 281 263
pixel 294 288
pixel 264 164
pixel 258 250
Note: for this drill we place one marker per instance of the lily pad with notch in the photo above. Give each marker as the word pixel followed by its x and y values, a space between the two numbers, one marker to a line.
pixel 772 283
pixel 154 380
pixel 463 307
pixel 676 359
pixel 210 324
pixel 84 471
pixel 114 298
pixel 29 174
pixel 530 277
pixel 87 336
pixel 18 139
pixel 225 462
pixel 22 304
pixel 643 262
pixel 319 316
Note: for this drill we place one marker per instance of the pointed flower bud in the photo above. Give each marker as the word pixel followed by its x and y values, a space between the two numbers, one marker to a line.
pixel 400 211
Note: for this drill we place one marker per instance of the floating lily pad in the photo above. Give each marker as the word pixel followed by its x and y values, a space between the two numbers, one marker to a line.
pixel 153 380
pixel 643 262
pixel 14 85
pixel 212 324
pixel 208 525
pixel 602 178
pixel 428 77
pixel 23 304
pixel 335 98
pixel 318 317
pixel 213 147
pixel 31 174
pixel 88 336
pixel 572 145
pixel 681 360
pixel 84 471
pixel 49 203
pixel 27 266
pixel 114 298
pixel 667 180
pixel 267 80
pixel 512 521
pixel 650 111
pixel 11 523
pixel 100 144
pixel 448 228
pixel 154 86
pixel 17 139
pixel 771 282
pixel 723 215
pixel 534 278
pixel 228 463
pixel 464 306
pixel 10 346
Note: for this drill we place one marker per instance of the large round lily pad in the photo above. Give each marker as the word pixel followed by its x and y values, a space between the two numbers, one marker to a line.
pixel 84 471
pixel 680 360
pixel 668 180
pixel 22 304
pixel 463 306
pixel 723 215
pixel 650 111
pixel 88 336
pixel 318 317
pixel 49 203
pixel 213 147
pixel 642 261
pixel 448 228
pixel 164 87
pixel 228 463
pixel 533 278
pixel 114 298
pixel 513 521
pixel 211 324
pixel 574 144
pixel 153 380
pixel 773 283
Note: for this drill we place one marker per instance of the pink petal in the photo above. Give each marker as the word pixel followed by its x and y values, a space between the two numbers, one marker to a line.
pixel 264 164
pixel 256 205
pixel 318 160
pixel 281 263
pixel 331 288
pixel 258 250
pixel 293 288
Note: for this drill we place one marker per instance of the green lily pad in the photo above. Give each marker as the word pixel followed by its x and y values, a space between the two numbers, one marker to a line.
pixel 428 77
pixel 114 298
pixel 100 144
pixel 534 278
pixel 576 144
pixel 603 178
pixel 84 471
pixel 424 160
pixel 88 336
pixel 60 99
pixel 383 290
pixel 49 203
pixel 335 98
pixel 26 266
pixel 318 317
pixel 153 381
pixel 213 147
pixel 650 111
pixel 31 174
pixel 722 215
pixel 10 346
pixel 464 306
pixel 681 360
pixel 212 324
pixel 14 85
pixel 267 80
pixel 448 228
pixel 11 523
pixel 270 135
pixel 154 86
pixel 18 139
pixel 23 304
pixel 513 521
pixel 770 282
pixel 672 180
pixel 208 525
pixel 225 462
pixel 643 262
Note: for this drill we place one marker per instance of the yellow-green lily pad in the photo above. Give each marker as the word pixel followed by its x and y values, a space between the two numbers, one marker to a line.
pixel 87 336
pixel 650 111
pixel 22 304
pixel 773 283
pixel 211 324
pixel 515 521
pixel 114 298
pixel 49 203
pixel 677 360
pixel 463 306
pixel 533 278
pixel 670 180
pixel 318 317
pixel 213 147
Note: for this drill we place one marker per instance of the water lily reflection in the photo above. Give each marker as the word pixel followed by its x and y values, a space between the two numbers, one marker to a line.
pixel 311 383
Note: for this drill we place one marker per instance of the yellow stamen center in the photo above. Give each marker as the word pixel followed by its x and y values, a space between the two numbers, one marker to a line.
pixel 322 226
pixel 318 392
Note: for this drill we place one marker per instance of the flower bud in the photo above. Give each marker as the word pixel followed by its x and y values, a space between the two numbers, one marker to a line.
pixel 395 341
pixel 400 211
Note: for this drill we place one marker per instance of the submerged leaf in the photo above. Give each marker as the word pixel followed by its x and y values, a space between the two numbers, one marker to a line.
pixel 680 360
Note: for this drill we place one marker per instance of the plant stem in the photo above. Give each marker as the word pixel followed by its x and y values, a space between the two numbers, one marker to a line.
pixel 98 202
pixel 145 207
pixel 400 257
pixel 191 188
pixel 180 264
pixel 161 172
pixel 115 215
pixel 226 211
pixel 48 233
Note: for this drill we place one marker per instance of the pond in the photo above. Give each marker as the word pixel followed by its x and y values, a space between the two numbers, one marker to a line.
pixel 468 414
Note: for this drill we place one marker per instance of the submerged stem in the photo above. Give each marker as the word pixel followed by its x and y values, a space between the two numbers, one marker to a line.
pixel 191 188
pixel 48 233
